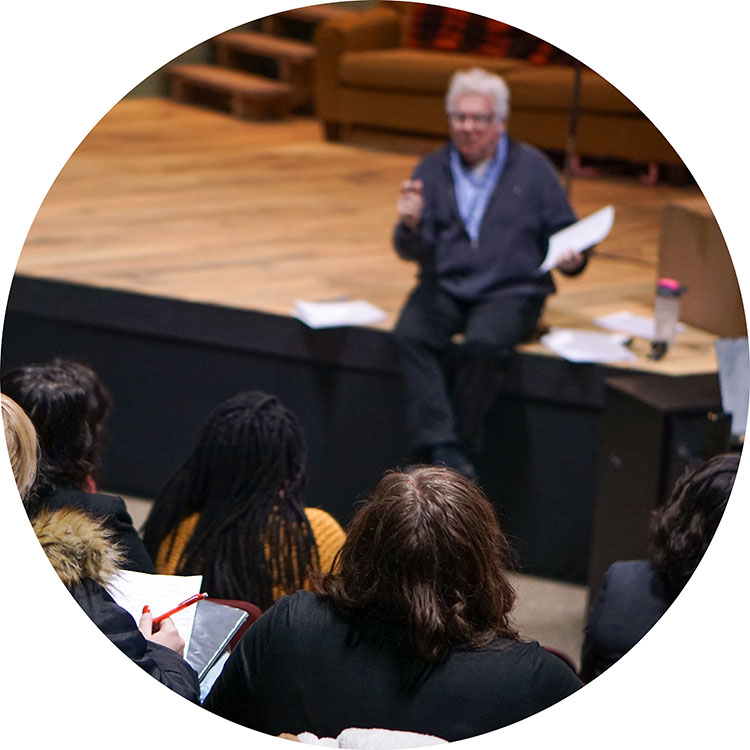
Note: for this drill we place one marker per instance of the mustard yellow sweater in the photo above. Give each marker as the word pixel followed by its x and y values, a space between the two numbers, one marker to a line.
pixel 328 535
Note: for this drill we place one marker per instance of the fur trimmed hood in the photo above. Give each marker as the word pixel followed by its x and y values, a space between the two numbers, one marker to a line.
pixel 78 546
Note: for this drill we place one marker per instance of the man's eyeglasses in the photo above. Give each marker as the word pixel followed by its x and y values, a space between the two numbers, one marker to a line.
pixel 459 118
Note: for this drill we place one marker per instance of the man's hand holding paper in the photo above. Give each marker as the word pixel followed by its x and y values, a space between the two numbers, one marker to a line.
pixel 570 261
pixel 576 238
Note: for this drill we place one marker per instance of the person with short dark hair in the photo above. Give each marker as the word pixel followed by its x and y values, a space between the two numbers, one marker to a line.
pixel 233 511
pixel 636 593
pixel 68 405
pixel 411 631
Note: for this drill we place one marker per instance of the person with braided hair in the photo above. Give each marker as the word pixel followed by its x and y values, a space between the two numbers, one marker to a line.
pixel 636 593
pixel 233 511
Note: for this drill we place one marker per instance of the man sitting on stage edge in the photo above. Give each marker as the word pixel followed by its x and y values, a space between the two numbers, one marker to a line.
pixel 476 216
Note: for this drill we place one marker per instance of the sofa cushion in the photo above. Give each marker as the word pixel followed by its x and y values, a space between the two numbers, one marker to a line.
pixel 422 71
pixel 551 87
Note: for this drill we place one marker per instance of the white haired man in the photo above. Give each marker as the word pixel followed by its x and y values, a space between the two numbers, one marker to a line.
pixel 476 216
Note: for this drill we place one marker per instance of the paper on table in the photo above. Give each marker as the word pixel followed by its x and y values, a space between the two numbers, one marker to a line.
pixel 627 322
pixel 341 313
pixel 579 236
pixel 132 590
pixel 588 346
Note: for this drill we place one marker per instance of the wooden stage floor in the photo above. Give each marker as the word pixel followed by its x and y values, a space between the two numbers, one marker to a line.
pixel 170 200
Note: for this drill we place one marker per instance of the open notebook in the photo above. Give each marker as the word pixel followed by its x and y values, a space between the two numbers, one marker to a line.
pixel 206 627
pixel 132 590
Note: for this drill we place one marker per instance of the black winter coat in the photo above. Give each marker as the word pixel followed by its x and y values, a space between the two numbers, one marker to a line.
pixel 630 602
pixel 112 512
pixel 81 551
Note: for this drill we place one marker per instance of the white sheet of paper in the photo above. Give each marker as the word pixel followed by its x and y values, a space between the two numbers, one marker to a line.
pixel 734 380
pixel 579 236
pixel 627 322
pixel 588 346
pixel 335 314
pixel 132 590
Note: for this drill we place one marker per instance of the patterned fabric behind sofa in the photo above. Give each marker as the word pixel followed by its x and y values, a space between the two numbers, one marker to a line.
pixel 448 29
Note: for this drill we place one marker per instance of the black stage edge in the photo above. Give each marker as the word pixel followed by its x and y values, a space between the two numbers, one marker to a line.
pixel 168 362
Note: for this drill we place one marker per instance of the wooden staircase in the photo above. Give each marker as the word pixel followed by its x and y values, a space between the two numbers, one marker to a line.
pixel 236 84
pixel 294 59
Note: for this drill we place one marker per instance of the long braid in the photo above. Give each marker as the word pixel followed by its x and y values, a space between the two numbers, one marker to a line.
pixel 245 478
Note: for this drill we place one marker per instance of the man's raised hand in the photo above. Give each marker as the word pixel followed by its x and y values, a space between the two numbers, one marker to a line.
pixel 410 203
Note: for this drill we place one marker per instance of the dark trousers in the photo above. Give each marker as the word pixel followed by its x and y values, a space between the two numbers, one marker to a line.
pixel 449 389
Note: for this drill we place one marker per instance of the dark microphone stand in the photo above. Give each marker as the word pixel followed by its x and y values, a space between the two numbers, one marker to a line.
pixel 570 143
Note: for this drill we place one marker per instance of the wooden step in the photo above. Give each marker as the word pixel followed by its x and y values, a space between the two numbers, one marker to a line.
pixel 248 94
pixel 264 45
pixel 293 59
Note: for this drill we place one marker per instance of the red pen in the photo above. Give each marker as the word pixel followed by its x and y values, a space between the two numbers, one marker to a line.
pixel 192 600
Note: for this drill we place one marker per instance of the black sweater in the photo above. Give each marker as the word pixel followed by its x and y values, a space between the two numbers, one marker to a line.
pixel 527 205
pixel 302 667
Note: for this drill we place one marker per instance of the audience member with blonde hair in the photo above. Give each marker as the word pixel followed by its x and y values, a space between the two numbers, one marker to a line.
pixel 22 444
pixel 84 555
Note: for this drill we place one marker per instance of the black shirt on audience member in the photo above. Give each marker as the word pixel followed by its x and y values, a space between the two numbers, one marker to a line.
pixel 630 602
pixel 636 593
pixel 410 631
pixel 302 668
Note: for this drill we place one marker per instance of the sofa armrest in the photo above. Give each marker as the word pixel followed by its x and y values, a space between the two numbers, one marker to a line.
pixel 374 28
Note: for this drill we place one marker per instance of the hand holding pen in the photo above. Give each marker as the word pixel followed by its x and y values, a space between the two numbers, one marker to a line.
pixel 182 605
pixel 162 629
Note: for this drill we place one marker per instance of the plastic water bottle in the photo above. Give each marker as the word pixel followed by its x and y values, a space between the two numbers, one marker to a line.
pixel 666 315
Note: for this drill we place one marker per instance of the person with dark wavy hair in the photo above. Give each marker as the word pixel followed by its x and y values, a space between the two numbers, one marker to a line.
pixel 68 405
pixel 233 511
pixel 635 594
pixel 411 630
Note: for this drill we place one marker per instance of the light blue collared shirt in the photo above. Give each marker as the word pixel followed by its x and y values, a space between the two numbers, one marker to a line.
pixel 473 190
